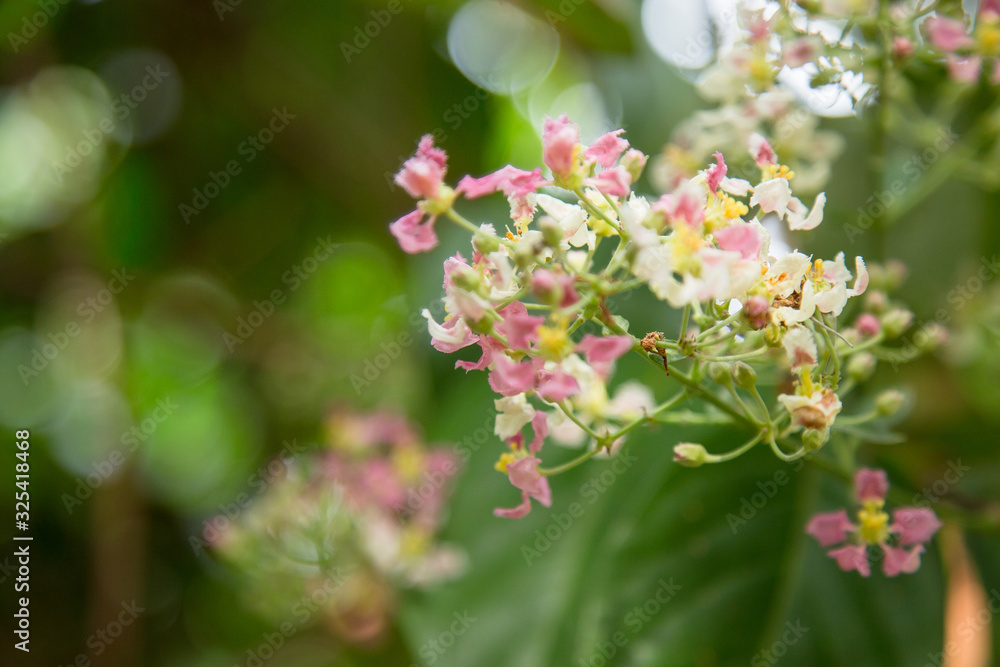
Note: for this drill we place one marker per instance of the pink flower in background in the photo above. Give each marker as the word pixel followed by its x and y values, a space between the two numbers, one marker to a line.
pixel 612 182
pixel 910 527
pixel 741 238
pixel 948 34
pixel 715 173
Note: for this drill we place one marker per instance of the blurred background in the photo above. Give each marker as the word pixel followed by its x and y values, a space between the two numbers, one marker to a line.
pixel 196 274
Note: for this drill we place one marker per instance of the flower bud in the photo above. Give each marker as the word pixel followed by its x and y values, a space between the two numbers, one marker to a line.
pixel 486 243
pixel 755 311
pixel 930 337
pixel 889 402
pixel 896 321
pixel 551 231
pixel 720 373
pixel 634 162
pixel 466 279
pixel 691 454
pixel 813 439
pixel 773 335
pixel 527 248
pixel 744 376
pixel 876 301
pixel 868 325
pixel 861 366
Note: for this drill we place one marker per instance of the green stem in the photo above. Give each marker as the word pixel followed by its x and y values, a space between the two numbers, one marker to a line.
pixel 569 465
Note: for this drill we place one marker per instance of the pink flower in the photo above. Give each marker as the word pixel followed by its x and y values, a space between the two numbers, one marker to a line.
pixel 540 425
pixel 870 484
pixel 902 48
pixel 915 525
pixel 509 378
pixel 741 238
pixel 911 526
pixel 560 138
pixel 412 236
pixel 602 352
pixel 606 149
pixel 948 34
pixel 612 182
pixel 830 528
pixel 422 175
pixel 756 311
pixel 556 386
pixel 524 475
pixel 490 347
pixel 554 288
pixel 852 557
pixel 715 173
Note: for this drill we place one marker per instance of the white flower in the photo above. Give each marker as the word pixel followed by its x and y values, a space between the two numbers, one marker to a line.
pixel 815 411
pixel 800 347
pixel 772 196
pixel 513 412
pixel 801 218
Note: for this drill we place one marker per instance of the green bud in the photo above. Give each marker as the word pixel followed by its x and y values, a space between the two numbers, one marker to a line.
pixel 861 366
pixel 551 232
pixel 813 439
pixel 720 373
pixel 691 454
pixel 773 334
pixel 486 243
pixel 889 402
pixel 466 279
pixel 895 322
pixel 744 376
pixel 634 162
pixel 930 337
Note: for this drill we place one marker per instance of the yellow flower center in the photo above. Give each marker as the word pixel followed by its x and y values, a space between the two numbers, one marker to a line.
pixel 874 522
pixel 777 171
pixel 553 342
pixel 505 460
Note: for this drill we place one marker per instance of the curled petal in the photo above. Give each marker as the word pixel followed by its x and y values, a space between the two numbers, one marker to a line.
pixel 915 524
pixel 515 512
pixel 901 561
pixel 870 484
pixel 540 424
pixel 801 218
pixel 453 335
pixel 715 173
pixel 852 557
pixel 510 180
pixel 612 182
pixel 606 149
pixel 414 237
pixel 524 474
pixel 773 196
pixel 861 282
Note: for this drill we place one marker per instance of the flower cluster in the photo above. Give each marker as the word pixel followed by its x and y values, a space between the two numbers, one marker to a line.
pixel 354 520
pixel 537 301
pixel 900 540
